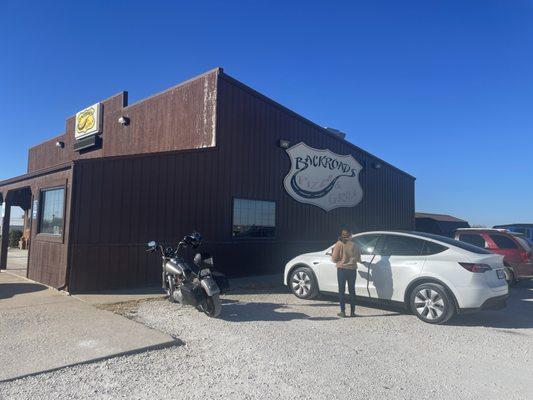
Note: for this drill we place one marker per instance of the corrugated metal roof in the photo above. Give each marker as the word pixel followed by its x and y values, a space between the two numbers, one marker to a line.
pixel 518 225
pixel 439 217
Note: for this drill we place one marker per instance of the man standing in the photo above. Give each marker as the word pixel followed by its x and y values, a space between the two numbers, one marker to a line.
pixel 346 255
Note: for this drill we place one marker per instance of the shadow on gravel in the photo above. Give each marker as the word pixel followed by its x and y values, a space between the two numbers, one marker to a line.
pixel 329 300
pixel 517 315
pixel 246 312
pixel 8 290
pixel 259 290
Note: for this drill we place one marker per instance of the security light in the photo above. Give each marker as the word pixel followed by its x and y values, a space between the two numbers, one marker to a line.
pixel 284 144
pixel 60 144
pixel 124 121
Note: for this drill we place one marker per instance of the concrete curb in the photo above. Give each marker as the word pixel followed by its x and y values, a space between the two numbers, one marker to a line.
pixel 63 292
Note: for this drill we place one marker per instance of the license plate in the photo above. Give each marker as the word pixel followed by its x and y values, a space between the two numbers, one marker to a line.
pixel 501 274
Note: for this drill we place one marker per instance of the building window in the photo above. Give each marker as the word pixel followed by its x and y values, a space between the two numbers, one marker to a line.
pixel 51 221
pixel 254 218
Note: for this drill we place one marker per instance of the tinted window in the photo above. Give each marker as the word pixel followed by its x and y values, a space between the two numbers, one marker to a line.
pixel 526 244
pixel 395 245
pixel 503 242
pixel 366 243
pixel 452 242
pixel 51 221
pixel 254 218
pixel 431 248
pixel 472 238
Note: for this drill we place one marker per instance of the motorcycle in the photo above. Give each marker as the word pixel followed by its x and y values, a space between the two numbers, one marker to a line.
pixel 196 284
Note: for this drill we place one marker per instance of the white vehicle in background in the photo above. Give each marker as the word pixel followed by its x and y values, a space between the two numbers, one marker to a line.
pixel 433 276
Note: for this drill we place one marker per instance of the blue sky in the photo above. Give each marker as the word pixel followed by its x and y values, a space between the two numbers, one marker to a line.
pixel 441 89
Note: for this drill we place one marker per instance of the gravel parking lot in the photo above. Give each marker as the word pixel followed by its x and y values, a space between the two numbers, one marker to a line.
pixel 275 346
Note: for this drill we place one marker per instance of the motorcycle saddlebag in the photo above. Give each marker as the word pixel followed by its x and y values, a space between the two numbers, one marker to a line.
pixel 221 280
pixel 192 294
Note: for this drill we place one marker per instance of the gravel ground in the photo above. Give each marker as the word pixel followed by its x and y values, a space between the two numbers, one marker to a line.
pixel 274 346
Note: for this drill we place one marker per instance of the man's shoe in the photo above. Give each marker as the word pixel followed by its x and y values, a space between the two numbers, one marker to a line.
pixel 353 314
pixel 342 314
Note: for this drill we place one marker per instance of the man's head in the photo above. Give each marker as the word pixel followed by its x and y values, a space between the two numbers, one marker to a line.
pixel 345 233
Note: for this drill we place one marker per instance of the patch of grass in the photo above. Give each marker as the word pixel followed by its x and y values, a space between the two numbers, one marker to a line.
pixel 127 309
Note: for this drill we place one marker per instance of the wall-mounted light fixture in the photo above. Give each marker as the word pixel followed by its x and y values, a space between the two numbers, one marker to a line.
pixel 284 144
pixel 377 165
pixel 60 144
pixel 124 121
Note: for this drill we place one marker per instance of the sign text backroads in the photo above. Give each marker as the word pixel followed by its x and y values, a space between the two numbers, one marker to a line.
pixel 323 178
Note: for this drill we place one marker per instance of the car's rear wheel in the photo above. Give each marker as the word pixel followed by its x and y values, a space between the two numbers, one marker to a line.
pixel 510 275
pixel 303 283
pixel 431 303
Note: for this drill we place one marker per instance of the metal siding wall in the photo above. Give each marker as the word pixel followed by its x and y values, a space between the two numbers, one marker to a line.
pixel 47 261
pixel 124 202
pixel 259 166
pixel 182 117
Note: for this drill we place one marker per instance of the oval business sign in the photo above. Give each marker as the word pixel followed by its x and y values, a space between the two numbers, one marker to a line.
pixel 323 178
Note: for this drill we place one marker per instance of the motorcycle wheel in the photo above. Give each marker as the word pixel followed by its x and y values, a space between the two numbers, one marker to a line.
pixel 212 306
pixel 170 294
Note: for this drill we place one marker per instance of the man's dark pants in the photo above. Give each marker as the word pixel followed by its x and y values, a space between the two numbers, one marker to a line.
pixel 346 275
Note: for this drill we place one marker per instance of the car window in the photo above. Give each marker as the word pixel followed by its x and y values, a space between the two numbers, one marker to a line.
pixel 525 243
pixel 503 242
pixel 474 239
pixel 366 243
pixel 453 242
pixel 431 248
pixel 396 245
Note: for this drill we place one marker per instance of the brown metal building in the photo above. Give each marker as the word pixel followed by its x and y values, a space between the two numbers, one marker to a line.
pixel 210 154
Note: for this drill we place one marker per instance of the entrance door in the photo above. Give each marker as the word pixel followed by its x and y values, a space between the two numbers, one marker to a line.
pixel 14 250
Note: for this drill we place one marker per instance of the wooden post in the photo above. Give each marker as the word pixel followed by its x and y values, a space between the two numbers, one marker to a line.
pixel 5 234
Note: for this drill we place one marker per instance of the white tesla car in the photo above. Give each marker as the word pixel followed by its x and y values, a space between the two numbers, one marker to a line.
pixel 434 276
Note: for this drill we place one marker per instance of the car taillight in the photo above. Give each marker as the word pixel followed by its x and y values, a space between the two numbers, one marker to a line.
pixel 525 255
pixel 476 268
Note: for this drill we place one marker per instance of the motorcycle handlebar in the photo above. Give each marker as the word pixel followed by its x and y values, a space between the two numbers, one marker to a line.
pixel 161 248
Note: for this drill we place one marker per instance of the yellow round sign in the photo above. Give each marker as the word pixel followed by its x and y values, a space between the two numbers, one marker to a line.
pixel 85 121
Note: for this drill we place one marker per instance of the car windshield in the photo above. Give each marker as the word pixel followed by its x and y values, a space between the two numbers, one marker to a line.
pixel 453 242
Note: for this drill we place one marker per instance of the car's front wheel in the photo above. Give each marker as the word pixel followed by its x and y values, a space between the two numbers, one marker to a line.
pixel 303 283
pixel 431 303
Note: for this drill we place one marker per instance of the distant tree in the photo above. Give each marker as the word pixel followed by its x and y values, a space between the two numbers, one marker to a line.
pixel 14 237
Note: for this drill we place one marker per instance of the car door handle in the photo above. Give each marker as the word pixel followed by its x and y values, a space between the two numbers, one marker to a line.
pixel 316 262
